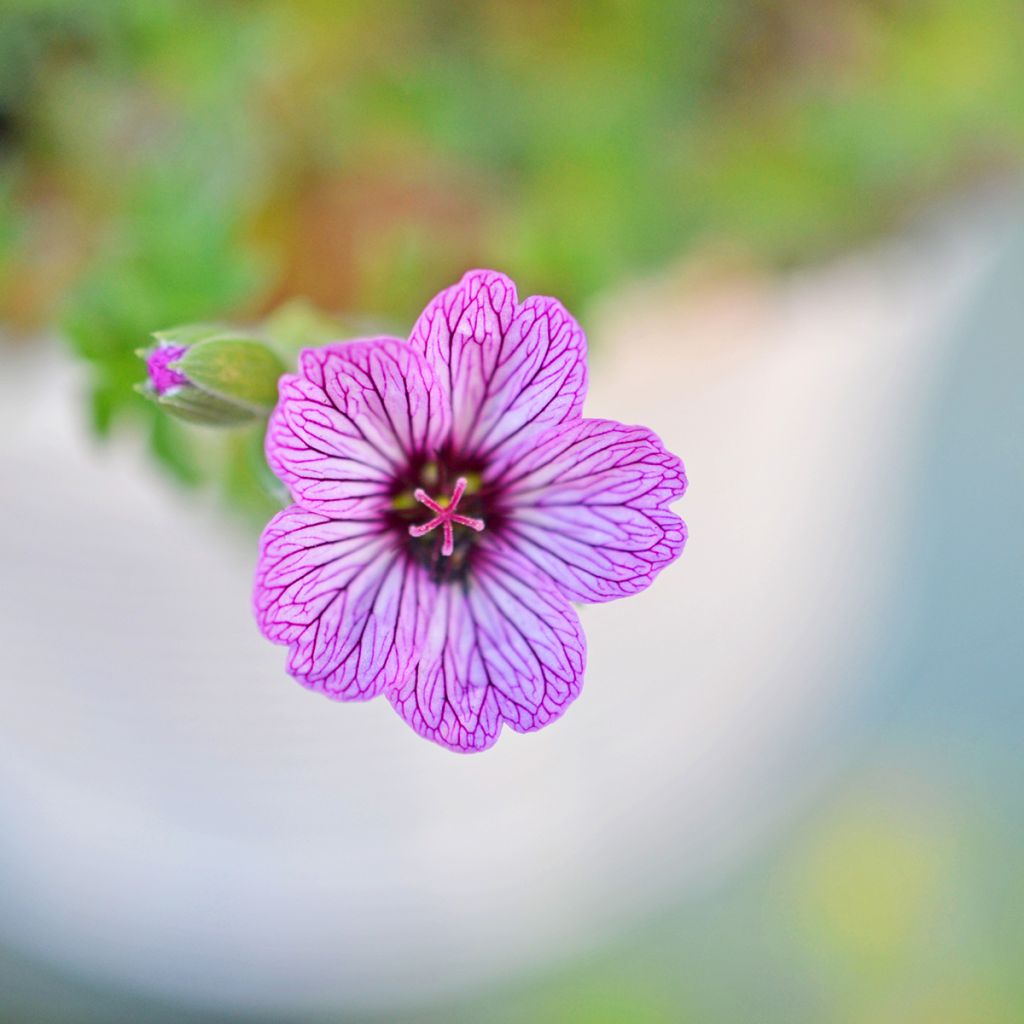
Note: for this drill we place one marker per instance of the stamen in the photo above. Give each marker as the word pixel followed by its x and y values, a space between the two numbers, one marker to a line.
pixel 445 517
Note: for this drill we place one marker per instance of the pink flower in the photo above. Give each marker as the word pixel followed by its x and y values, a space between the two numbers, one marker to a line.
pixel 450 502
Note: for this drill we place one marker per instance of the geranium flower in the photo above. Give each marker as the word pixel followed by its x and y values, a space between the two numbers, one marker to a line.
pixel 450 503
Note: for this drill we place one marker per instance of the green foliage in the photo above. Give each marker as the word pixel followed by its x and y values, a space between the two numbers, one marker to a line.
pixel 172 257
pixel 193 160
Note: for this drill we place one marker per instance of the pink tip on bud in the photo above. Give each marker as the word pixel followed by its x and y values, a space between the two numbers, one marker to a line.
pixel 161 375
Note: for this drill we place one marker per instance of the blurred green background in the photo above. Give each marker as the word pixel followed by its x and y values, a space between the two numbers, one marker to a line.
pixel 175 160
pixel 316 167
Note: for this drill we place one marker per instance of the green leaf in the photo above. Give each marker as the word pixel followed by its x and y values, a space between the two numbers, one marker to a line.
pixel 173 450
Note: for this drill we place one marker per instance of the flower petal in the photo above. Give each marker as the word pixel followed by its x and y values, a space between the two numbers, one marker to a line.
pixel 350 420
pixel 342 596
pixel 587 505
pixel 507 648
pixel 511 369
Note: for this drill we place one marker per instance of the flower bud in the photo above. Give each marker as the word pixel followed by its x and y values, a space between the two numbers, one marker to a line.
pixel 211 376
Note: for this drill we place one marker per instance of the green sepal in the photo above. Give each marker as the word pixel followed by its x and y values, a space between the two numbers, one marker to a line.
pixel 192 334
pixel 197 406
pixel 239 371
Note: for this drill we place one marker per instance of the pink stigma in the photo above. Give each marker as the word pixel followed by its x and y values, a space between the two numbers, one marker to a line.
pixel 445 517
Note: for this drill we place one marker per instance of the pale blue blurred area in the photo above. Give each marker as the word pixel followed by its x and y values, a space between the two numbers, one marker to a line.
pixel 892 891
pixel 956 663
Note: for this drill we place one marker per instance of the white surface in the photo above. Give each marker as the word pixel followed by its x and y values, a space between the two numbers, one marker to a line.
pixel 178 816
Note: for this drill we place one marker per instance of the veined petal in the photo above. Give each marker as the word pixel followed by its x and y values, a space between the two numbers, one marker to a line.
pixel 507 648
pixel 447 697
pixel 343 598
pixel 510 369
pixel 588 506
pixel 350 420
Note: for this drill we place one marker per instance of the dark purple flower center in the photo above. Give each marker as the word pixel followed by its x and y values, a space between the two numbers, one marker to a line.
pixel 441 507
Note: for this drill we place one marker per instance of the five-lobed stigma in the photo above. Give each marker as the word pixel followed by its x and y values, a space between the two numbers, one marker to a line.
pixel 445 516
